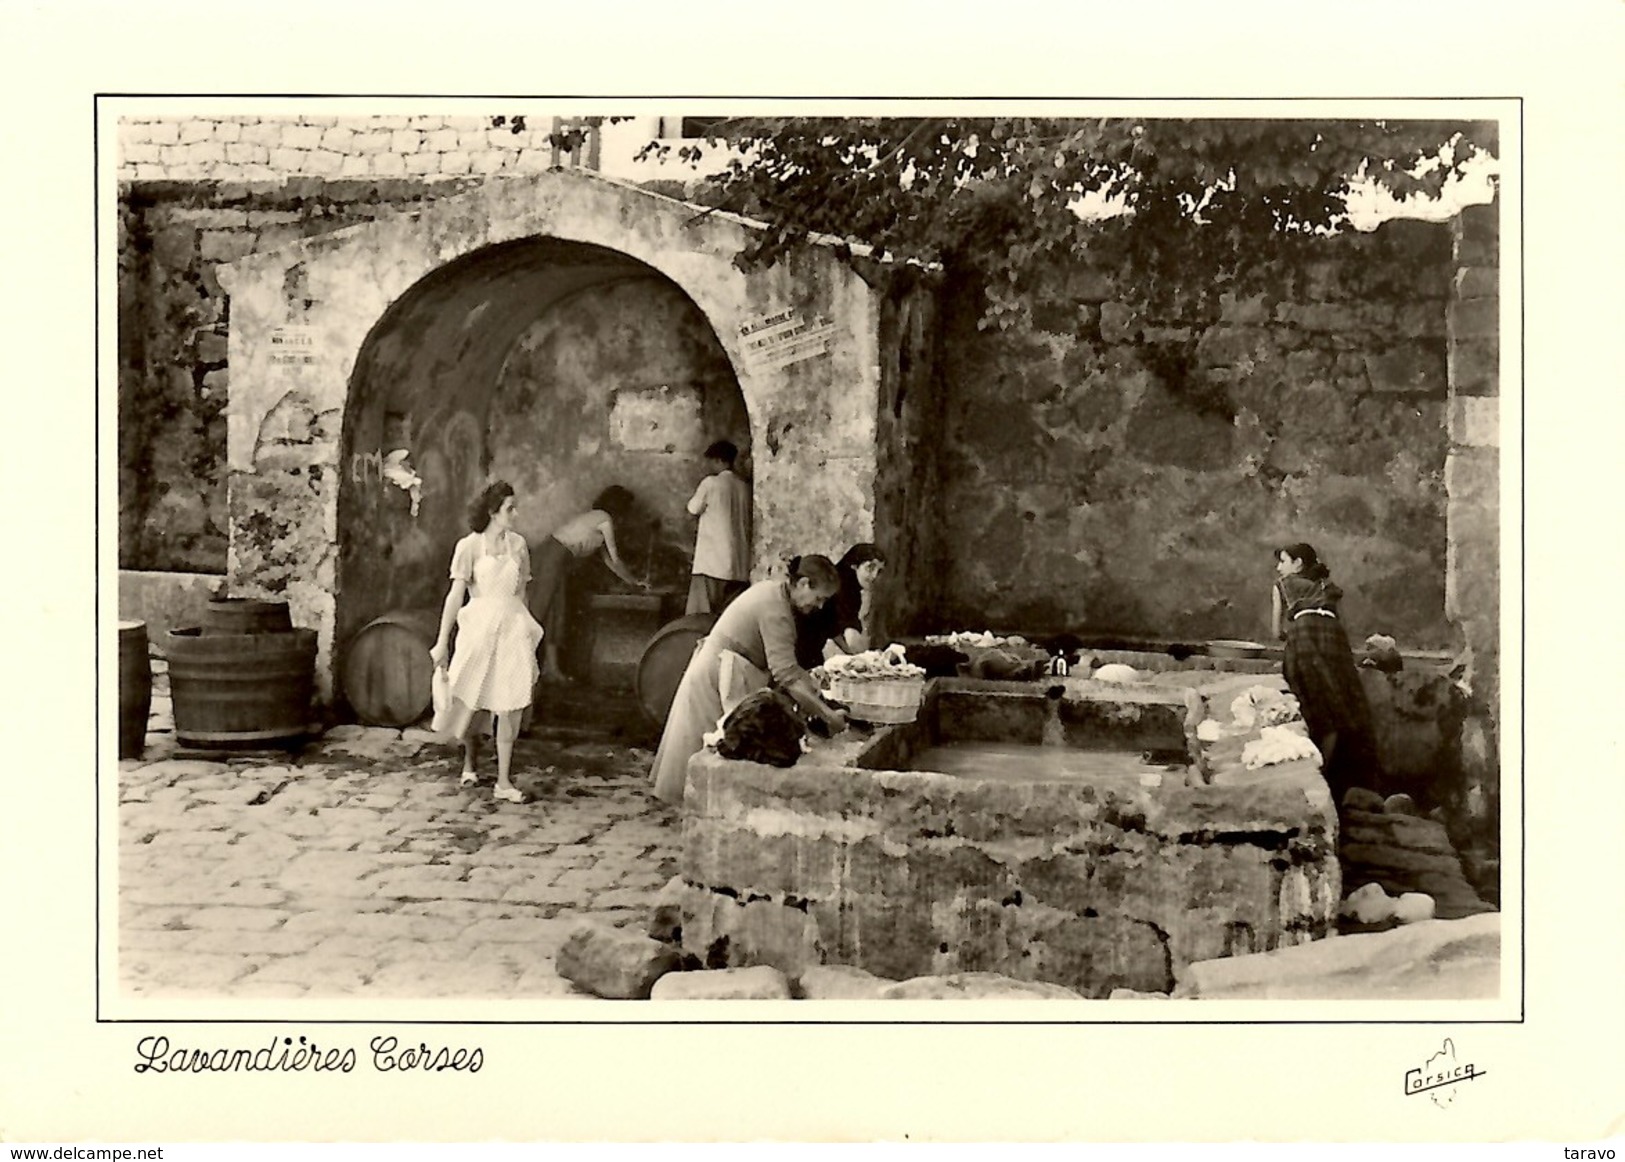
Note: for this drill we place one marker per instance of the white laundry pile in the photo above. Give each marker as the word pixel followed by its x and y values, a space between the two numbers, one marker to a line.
pixel 891 662
pixel 982 640
pixel 1277 744
pixel 1264 706
pixel 1116 673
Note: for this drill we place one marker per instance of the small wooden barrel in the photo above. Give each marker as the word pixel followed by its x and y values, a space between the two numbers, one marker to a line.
pixel 134 688
pixel 240 689
pixel 386 674
pixel 242 615
pixel 660 669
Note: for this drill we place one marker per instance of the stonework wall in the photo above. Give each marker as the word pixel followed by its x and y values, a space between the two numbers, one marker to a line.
pixel 270 149
pixel 1472 469
pixel 1093 883
pixel 908 481
pixel 172 326
pixel 1111 474
pixel 1473 474
pixel 198 191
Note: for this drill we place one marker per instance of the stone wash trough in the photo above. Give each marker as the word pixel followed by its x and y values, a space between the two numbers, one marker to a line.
pixel 1066 831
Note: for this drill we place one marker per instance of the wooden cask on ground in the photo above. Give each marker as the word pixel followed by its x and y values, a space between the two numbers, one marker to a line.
pixel 387 675
pixel 134 688
pixel 233 690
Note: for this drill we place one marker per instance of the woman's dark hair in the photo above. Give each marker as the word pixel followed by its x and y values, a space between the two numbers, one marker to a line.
pixel 724 451
pixel 1313 569
pixel 484 506
pixel 860 554
pixel 816 569
pixel 614 500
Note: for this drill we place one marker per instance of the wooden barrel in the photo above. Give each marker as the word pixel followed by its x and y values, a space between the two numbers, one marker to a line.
pixel 134 688
pixel 664 659
pixel 240 689
pixel 386 674
pixel 246 615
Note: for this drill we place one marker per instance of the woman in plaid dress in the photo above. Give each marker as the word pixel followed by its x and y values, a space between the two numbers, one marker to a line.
pixel 494 670
pixel 1320 670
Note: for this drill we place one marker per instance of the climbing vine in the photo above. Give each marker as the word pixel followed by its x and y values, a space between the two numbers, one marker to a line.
pixel 1196 209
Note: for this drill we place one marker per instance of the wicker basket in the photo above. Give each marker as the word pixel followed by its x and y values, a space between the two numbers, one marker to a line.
pixel 889 701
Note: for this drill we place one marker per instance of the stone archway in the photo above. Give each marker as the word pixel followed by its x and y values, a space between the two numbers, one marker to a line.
pixel 314 322
pixel 557 366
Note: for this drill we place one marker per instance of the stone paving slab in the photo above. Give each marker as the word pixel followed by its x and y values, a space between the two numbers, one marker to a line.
pixel 357 867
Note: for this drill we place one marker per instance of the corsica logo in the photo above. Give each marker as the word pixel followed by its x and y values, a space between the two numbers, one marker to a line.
pixel 1438 1075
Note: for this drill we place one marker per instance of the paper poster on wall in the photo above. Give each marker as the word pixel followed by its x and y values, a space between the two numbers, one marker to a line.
pixel 294 345
pixel 785 337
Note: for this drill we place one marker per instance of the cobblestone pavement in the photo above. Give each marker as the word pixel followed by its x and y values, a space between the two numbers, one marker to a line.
pixel 359 867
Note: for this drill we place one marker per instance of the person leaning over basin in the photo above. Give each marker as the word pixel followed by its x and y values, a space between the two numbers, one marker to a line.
pixel 576 539
pixel 722 546
pixel 752 646
pixel 1319 670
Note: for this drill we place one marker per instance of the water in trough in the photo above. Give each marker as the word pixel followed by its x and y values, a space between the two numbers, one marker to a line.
pixel 1026 762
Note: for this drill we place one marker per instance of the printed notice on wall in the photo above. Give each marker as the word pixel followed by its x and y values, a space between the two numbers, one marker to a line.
pixel 785 337
pixel 294 346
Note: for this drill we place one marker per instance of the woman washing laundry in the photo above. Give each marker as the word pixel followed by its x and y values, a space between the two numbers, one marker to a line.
pixel 1320 671
pixel 752 646
pixel 847 622
pixel 494 669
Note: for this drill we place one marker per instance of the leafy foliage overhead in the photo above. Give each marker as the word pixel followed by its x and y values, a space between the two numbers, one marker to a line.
pixel 994 197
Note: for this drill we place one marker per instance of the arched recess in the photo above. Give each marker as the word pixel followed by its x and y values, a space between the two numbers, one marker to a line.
pixel 364 310
pixel 557 365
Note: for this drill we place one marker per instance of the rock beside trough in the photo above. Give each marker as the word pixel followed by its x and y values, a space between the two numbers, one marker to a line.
pixel 759 983
pixel 975 986
pixel 1428 960
pixel 609 962
pixel 666 916
pixel 840 982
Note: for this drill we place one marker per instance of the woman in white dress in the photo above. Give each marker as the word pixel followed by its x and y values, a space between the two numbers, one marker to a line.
pixel 494 669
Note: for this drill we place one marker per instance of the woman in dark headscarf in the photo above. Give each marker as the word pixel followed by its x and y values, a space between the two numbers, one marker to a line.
pixel 848 619
pixel 1320 670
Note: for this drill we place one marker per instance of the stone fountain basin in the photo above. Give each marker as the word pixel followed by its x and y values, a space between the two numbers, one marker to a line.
pixel 1094 882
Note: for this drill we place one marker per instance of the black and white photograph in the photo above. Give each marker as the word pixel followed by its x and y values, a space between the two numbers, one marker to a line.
pixel 916 608
pixel 958 556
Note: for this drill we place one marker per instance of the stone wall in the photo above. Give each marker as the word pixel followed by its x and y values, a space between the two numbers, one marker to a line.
pixel 1472 578
pixel 165 601
pixel 1472 468
pixel 1111 474
pixel 271 149
pixel 1093 882
pixel 908 479
pixel 173 321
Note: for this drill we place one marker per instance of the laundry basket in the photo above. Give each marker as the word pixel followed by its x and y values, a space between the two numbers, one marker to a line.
pixel 887 701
